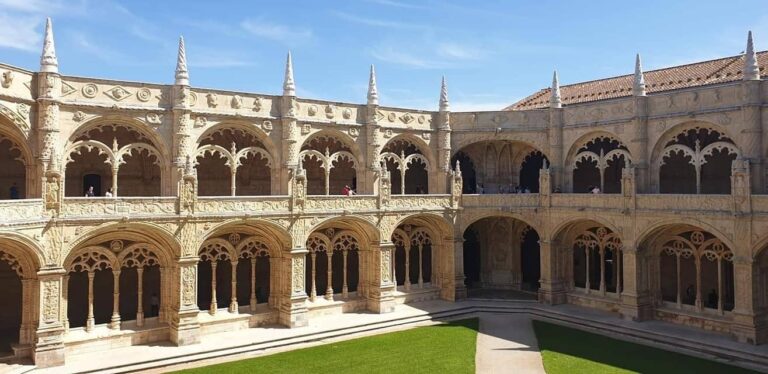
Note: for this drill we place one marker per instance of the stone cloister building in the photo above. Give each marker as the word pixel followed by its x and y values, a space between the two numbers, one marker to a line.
pixel 226 209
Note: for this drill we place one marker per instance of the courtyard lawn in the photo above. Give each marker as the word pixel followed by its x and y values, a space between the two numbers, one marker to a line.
pixel 567 350
pixel 446 348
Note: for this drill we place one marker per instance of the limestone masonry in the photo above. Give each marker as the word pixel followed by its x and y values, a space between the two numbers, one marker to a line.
pixel 138 212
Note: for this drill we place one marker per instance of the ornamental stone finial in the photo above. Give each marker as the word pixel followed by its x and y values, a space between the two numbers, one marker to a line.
pixel 48 61
pixel 555 101
pixel 638 86
pixel 182 74
pixel 751 69
pixel 445 106
pixel 373 91
pixel 289 86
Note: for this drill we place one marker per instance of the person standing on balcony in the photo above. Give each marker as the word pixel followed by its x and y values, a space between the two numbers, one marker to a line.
pixel 14 191
pixel 109 193
pixel 89 192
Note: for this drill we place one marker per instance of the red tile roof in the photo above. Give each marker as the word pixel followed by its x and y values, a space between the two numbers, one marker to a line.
pixel 722 70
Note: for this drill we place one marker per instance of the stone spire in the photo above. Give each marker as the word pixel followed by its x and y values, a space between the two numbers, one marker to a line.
pixel 444 104
pixel 182 74
pixel 48 61
pixel 751 70
pixel 638 87
pixel 373 92
pixel 555 101
pixel 289 87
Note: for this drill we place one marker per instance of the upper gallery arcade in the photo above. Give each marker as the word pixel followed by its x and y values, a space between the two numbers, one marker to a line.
pixel 148 212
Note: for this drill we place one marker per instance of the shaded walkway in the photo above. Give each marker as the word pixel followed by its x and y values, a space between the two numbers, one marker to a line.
pixel 507 343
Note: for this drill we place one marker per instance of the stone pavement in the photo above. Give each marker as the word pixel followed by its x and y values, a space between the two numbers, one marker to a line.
pixel 506 343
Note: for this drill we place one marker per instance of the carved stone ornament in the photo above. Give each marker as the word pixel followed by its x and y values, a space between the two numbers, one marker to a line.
pixel 50 301
pixel 426 136
pixel 211 98
pixel 312 110
pixel 23 110
pixel 346 113
pixel 305 129
pixel 330 111
pixel 298 274
pixel 7 79
pixel 267 125
pixel 188 281
pixel 499 119
pixel 116 246
pixel 391 117
pixel 67 89
pixel 90 90
pixel 388 133
pixel 354 132
pixel 79 116
pixel 407 118
pixel 200 121
pixel 421 120
pixel 154 118
pixel 117 93
pixel 234 238
pixel 144 94
pixel 257 104
pixel 237 102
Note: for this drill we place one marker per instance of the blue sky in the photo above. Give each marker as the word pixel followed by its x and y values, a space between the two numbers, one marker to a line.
pixel 492 52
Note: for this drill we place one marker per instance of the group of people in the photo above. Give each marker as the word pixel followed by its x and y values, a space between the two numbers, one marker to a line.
pixel 480 188
pixel 90 192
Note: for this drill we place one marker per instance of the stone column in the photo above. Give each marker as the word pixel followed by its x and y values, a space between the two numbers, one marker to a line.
pixel 185 327
pixel 452 287
pixel 746 324
pixel 635 297
pixel 639 144
pixel 293 298
pixel 49 348
pixel 381 285
pixel 552 290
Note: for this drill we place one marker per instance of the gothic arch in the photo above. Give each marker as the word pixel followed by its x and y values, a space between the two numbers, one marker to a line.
pixel 682 163
pixel 411 163
pixel 162 240
pixel 19 170
pixel 27 250
pixel 597 157
pixel 250 128
pixel 273 233
pixel 360 225
pixel 437 224
pixel 524 163
pixel 656 227
pixel 516 216
pixel 332 160
pixel 139 126
pixel 564 232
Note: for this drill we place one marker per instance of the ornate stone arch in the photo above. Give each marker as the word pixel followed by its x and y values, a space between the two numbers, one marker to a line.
pixel 90 258
pixel 263 137
pixel 334 153
pixel 28 252
pixel 217 249
pixel 273 233
pixel 20 125
pixel 164 242
pixel 580 152
pixel 139 255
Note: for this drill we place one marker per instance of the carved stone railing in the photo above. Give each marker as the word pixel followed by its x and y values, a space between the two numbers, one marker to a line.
pixel 419 202
pixel 21 210
pixel 501 200
pixel 120 206
pixel 599 201
pixel 340 203
pixel 760 203
pixel 237 205
pixel 674 202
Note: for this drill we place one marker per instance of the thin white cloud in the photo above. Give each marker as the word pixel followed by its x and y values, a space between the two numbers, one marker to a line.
pixel 377 22
pixel 281 33
pixel 459 52
pixel 32 6
pixel 397 56
pixel 88 46
pixel 23 33
pixel 396 4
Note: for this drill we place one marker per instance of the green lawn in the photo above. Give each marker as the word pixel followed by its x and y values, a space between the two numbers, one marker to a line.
pixel 447 348
pixel 567 350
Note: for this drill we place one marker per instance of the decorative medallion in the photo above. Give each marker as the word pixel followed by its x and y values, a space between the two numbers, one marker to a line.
pixel 305 129
pixel 90 90
pixel 144 94
pixel 66 88
pixel 267 125
pixel 330 111
pixel 388 133
pixel 116 246
pixel 211 98
pixel 346 113
pixel 391 117
pixel 407 118
pixel 257 104
pixel 192 99
pixel 117 93
pixel 354 132
pixel 79 116
pixel 499 119
pixel 421 120
pixel 426 136
pixel 312 110
pixel 234 238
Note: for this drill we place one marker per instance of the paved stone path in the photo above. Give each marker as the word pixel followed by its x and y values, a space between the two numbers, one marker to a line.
pixel 506 343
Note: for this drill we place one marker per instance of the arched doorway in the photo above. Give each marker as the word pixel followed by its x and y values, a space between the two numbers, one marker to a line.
pixel 11 294
pixel 500 166
pixel 501 253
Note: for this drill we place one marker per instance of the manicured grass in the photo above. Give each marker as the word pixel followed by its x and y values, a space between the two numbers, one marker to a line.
pixel 447 348
pixel 566 350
